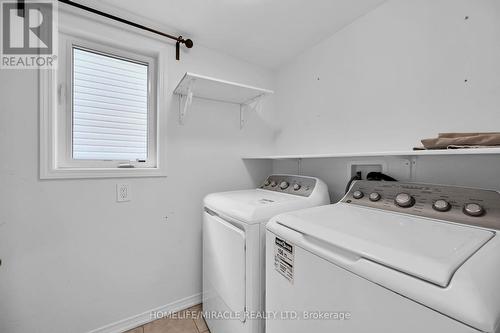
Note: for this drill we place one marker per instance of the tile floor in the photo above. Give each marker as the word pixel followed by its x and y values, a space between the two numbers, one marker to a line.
pixel 188 321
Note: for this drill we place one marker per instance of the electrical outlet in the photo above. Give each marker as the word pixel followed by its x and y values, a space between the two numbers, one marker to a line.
pixel 366 167
pixel 122 192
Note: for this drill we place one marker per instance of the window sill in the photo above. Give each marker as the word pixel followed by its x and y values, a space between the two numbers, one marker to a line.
pixel 88 173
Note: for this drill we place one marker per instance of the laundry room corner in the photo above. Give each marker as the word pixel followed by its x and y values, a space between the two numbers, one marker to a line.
pixel 84 261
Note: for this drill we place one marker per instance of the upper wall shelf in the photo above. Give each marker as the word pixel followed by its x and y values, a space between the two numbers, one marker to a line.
pixel 409 153
pixel 204 87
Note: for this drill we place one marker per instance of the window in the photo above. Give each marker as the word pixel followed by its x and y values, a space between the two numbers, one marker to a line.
pixel 110 108
pixel 102 117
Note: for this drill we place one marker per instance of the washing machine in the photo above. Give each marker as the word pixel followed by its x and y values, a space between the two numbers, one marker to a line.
pixel 389 258
pixel 233 247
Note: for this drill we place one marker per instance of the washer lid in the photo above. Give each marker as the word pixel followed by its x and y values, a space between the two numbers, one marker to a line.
pixel 255 206
pixel 430 250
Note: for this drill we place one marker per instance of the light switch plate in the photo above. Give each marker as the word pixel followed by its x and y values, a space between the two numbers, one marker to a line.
pixel 122 192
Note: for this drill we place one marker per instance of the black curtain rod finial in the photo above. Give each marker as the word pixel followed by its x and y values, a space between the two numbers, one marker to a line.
pixel 189 43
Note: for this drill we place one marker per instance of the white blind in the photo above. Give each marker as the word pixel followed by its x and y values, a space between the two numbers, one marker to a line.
pixel 110 107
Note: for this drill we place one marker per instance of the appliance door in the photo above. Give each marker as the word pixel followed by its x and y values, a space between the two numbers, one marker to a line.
pixel 254 206
pixel 429 250
pixel 307 293
pixel 224 262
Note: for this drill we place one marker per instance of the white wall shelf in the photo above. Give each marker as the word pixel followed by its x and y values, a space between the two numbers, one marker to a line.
pixel 204 87
pixel 409 153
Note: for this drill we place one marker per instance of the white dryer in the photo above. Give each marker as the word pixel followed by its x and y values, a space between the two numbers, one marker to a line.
pixel 233 247
pixel 389 258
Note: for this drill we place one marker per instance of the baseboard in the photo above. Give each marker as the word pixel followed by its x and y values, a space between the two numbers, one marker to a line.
pixel 145 317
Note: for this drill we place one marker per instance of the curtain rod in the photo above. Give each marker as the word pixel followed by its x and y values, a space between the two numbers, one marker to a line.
pixel 179 40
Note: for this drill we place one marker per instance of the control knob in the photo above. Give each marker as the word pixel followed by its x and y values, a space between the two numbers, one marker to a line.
pixel 284 185
pixel 273 184
pixel 441 205
pixel 267 182
pixel 296 187
pixel 404 200
pixel 473 209
pixel 358 194
pixel 374 196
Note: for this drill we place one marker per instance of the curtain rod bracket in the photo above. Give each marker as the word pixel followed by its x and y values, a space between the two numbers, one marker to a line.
pixel 177 50
pixel 178 40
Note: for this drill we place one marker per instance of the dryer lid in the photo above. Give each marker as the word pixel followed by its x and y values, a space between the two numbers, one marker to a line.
pixel 256 205
pixel 430 250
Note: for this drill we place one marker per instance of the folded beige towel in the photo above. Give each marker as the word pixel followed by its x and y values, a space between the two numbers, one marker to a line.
pixel 449 140
pixel 461 135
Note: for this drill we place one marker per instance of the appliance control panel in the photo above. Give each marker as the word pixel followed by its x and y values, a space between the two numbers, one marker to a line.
pixel 296 185
pixel 464 205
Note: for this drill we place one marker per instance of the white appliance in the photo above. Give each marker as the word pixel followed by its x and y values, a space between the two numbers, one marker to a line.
pixel 233 247
pixel 390 257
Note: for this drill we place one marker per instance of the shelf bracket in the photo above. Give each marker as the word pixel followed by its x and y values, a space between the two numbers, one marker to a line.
pixel 184 109
pixel 255 104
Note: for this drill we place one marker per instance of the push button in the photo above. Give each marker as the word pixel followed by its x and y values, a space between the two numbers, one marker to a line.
pixel 473 209
pixel 358 194
pixel 441 205
pixel 374 196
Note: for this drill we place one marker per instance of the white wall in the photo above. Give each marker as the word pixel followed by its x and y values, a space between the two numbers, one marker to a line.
pixel 73 259
pixel 469 171
pixel 393 77
pixel 389 79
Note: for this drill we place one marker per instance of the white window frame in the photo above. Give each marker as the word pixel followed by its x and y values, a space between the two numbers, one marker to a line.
pixel 66 145
pixel 55 88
